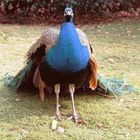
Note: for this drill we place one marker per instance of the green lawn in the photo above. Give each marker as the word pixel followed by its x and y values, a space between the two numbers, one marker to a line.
pixel 117 49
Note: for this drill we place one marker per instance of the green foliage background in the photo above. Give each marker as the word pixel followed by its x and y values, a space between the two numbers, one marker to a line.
pixel 45 7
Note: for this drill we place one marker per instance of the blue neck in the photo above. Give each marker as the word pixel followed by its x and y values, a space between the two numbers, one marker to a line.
pixel 68 55
pixel 68 37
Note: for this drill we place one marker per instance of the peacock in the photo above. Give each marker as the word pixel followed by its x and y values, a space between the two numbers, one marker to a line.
pixel 62 59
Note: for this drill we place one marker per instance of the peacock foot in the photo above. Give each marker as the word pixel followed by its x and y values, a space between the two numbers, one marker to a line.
pixel 58 116
pixel 74 117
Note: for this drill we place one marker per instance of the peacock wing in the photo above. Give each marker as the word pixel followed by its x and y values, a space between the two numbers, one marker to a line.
pixel 92 62
pixel 41 46
pixel 84 39
pixel 27 77
pixel 93 70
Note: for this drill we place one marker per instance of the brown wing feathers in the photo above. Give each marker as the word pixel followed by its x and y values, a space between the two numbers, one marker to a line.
pixel 38 55
pixel 93 68
pixel 41 46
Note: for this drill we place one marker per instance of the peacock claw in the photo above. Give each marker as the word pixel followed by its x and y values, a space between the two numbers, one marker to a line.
pixel 74 117
pixel 58 117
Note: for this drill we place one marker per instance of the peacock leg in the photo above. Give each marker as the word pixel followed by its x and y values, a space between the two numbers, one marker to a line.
pixel 57 91
pixel 72 90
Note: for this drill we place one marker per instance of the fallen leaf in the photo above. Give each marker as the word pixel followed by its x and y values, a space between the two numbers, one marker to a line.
pixel 81 121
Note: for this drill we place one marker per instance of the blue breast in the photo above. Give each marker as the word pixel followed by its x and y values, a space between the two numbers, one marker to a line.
pixel 68 55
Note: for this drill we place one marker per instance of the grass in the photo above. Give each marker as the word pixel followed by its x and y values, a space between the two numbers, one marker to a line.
pixel 116 47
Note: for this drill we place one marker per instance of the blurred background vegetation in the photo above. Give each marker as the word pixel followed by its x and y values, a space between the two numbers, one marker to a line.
pixel 52 10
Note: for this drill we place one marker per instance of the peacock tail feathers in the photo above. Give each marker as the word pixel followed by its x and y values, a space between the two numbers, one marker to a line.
pixel 113 86
pixel 17 81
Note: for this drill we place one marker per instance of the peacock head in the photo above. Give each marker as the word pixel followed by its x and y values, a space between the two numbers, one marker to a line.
pixel 68 14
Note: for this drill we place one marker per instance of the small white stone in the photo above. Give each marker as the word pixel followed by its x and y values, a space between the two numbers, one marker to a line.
pixel 54 124
pixel 110 60
pixel 60 129
pixel 17 99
